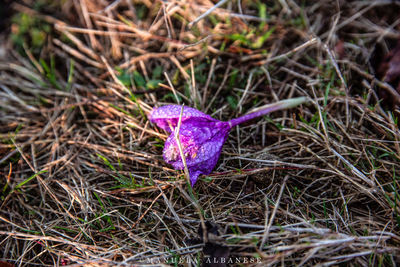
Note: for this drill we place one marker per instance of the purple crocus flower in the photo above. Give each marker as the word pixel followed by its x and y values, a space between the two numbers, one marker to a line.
pixel 202 136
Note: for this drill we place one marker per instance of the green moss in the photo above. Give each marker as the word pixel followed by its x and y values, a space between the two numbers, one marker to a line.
pixel 29 31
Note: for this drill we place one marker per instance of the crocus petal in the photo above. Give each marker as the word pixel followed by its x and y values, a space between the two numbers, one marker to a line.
pixel 168 116
pixel 201 143
pixel 194 175
pixel 203 163
pixel 205 167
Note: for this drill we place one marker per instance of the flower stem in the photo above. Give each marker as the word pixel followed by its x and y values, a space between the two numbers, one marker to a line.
pixel 284 104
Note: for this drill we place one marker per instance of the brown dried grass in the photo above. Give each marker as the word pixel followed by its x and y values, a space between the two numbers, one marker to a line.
pixel 315 185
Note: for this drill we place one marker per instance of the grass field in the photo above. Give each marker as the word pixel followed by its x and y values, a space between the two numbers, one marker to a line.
pixel 83 181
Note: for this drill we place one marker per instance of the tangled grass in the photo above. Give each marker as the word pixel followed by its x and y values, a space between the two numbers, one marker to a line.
pixel 83 179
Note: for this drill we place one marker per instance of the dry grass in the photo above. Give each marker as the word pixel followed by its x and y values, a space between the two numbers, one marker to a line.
pixel 83 180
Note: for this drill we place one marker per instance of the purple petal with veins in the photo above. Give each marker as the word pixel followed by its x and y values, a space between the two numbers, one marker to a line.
pixel 168 116
pixel 201 144
pixel 201 136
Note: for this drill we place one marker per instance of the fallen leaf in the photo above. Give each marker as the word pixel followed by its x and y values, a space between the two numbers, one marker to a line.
pixel 216 253
pixel 6 264
pixel 388 70
pixel 340 50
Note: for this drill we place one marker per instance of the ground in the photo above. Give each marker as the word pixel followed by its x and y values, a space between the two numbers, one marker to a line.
pixel 83 181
